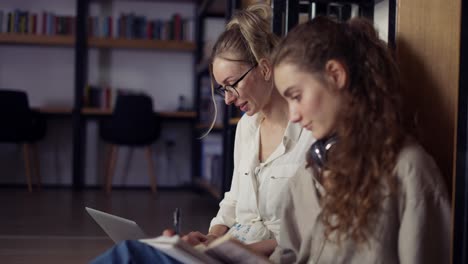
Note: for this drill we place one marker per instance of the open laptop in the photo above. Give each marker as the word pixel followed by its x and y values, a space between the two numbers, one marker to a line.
pixel 117 228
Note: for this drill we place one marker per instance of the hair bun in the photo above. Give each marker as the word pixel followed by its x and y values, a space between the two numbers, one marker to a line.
pixel 263 12
pixel 256 17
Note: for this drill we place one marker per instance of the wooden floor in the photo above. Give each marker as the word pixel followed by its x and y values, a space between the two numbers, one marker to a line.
pixel 51 226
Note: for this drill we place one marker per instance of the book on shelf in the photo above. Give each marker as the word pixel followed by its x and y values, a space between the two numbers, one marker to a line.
pixel 212 151
pixel 224 250
pixel 25 22
pixel 126 26
pixel 100 96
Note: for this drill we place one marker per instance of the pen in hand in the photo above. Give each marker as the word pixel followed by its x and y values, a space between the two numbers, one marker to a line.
pixel 176 221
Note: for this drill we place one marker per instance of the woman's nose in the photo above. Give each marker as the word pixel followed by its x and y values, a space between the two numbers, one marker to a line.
pixel 294 115
pixel 229 98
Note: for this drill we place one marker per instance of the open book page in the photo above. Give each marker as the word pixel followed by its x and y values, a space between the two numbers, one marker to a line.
pixel 230 250
pixel 224 250
pixel 179 250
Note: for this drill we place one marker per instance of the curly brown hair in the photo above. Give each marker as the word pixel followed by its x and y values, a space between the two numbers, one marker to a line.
pixel 370 125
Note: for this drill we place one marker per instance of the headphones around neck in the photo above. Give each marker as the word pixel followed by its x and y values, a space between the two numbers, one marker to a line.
pixel 318 150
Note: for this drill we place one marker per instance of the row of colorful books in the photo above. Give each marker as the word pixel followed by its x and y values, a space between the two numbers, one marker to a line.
pixel 131 26
pixel 128 26
pixel 98 97
pixel 212 160
pixel 24 22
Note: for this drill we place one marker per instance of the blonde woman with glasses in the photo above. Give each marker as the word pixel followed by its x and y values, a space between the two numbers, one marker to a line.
pixel 268 149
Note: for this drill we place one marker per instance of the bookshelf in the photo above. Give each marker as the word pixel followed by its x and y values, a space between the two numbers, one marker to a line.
pixel 83 59
pixel 181 46
pixel 233 121
pixel 107 112
pixel 111 43
pixel 26 39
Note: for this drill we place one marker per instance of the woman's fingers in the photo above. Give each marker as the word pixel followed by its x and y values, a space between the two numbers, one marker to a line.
pixel 168 232
pixel 194 238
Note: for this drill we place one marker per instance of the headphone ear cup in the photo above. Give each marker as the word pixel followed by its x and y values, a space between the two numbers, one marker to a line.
pixel 318 150
pixel 316 153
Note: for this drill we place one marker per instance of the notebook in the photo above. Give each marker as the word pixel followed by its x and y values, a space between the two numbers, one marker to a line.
pixel 117 228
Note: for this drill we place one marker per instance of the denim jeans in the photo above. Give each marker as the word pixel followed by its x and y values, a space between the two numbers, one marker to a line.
pixel 133 252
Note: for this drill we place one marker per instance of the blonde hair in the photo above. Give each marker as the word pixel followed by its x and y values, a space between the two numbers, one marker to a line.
pixel 248 37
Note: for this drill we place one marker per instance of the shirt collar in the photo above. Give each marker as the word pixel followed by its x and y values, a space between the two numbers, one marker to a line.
pixel 293 130
pixel 291 134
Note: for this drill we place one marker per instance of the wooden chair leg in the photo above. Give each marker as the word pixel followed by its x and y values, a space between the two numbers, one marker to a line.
pixel 152 175
pixel 112 162
pixel 27 165
pixel 107 158
pixel 37 168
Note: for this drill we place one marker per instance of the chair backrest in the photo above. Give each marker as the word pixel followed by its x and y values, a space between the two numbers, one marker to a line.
pixel 15 116
pixel 14 108
pixel 14 104
pixel 133 122
pixel 134 112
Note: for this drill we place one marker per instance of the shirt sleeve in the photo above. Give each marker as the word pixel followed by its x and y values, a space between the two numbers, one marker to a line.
pixel 289 236
pixel 424 235
pixel 227 207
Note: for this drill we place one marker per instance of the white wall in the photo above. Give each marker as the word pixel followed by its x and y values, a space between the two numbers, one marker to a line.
pixel 47 75
pixel 381 19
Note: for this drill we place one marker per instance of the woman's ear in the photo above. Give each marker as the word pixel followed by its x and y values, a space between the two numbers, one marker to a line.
pixel 265 68
pixel 337 72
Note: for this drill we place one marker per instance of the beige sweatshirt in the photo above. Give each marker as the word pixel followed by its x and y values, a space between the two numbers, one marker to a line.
pixel 414 226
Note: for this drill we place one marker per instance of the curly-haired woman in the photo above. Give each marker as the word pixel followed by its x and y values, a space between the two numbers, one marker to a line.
pixel 370 194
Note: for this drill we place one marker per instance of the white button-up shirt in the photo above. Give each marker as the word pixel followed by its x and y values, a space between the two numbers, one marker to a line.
pixel 251 209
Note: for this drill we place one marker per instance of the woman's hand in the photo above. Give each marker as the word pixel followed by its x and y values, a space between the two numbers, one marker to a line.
pixel 194 238
pixel 168 232
pixel 265 247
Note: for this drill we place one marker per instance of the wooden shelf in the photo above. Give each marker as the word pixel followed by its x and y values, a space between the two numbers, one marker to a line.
pixel 107 112
pixel 234 121
pixel 142 44
pixel 206 126
pixel 28 39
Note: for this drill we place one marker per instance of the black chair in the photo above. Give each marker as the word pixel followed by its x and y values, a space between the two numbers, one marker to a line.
pixel 133 123
pixel 24 126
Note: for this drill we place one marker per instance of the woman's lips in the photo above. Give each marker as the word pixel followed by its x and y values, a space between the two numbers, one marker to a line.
pixel 243 107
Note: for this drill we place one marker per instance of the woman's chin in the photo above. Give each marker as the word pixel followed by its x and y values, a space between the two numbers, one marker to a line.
pixel 317 134
pixel 250 112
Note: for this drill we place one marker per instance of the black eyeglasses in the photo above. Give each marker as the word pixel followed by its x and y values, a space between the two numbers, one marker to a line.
pixel 222 90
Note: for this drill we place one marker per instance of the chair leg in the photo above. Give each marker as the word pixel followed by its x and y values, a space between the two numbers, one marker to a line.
pixel 107 158
pixel 152 175
pixel 27 165
pixel 37 168
pixel 112 162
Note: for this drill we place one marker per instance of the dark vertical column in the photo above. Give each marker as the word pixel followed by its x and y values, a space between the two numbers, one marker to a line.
pixel 392 10
pixel 367 10
pixel 460 231
pixel 81 64
pixel 278 17
pixel 292 14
